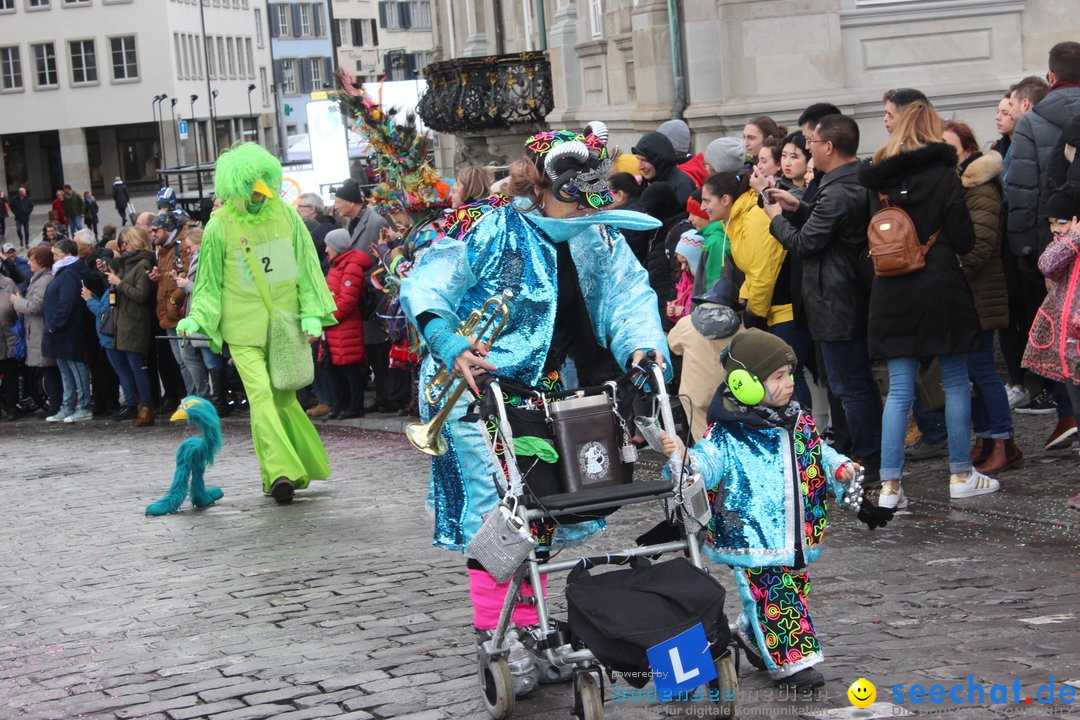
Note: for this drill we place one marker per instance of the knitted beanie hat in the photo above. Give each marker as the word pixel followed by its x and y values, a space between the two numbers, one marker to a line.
pixel 678 133
pixel 725 154
pixel 759 352
pixel 1064 203
pixel 338 240
pixel 690 246
pixel 693 206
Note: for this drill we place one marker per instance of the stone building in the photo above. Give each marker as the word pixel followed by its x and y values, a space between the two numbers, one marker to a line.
pixel 716 63
pixel 383 38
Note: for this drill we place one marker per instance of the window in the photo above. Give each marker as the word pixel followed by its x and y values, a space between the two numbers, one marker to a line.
pixel 185 66
pixel 232 56
pixel 75 3
pixel 250 58
pixel 177 53
pixel 83 62
pixel 316 65
pixel 420 15
pixel 241 71
pixel 196 50
pixel 282 12
pixel 37 4
pixel 596 18
pixel 124 59
pixel 10 68
pixel 211 63
pixel 288 76
pixel 44 64
pixel 305 20
pixel 345 32
pixel 7 5
pixel 258 27
pixel 223 69
pixel 262 84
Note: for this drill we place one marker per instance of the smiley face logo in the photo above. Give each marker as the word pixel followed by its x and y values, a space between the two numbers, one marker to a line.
pixel 862 693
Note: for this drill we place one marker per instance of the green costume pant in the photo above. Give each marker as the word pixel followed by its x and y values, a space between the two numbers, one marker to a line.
pixel 286 443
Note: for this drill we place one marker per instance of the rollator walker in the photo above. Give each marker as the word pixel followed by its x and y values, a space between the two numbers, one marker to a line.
pixel 576 421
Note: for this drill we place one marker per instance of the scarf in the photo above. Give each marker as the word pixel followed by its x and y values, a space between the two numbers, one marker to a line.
pixel 724 406
pixel 64 262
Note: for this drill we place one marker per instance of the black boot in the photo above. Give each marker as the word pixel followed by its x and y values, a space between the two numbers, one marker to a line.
pixel 219 389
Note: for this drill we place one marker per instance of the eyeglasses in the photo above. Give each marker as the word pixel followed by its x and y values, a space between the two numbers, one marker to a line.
pixel 302 205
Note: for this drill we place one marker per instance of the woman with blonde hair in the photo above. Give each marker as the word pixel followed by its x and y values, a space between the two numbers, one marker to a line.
pixel 929 312
pixel 471 185
pixel 129 277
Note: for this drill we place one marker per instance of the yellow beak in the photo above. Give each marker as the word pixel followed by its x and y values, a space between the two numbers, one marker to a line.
pixel 262 188
pixel 180 414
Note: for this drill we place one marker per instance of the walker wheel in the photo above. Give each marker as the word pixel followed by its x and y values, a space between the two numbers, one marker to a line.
pixel 727 683
pixel 587 689
pixel 496 687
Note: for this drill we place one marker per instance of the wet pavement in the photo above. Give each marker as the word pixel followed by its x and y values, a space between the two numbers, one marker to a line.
pixel 337 606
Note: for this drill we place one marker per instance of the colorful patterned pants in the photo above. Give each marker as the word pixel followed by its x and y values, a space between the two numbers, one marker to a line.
pixel 776 616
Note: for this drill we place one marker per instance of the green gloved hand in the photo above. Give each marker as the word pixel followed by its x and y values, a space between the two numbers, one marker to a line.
pixel 186 327
pixel 312 326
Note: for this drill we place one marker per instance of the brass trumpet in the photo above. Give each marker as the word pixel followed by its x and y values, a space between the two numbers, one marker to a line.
pixel 445 386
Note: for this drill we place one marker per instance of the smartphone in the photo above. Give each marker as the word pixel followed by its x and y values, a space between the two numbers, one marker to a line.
pixel 764 195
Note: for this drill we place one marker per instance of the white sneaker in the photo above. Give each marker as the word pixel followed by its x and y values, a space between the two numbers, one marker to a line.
pixel 1018 396
pixel 890 498
pixel 60 416
pixel 79 415
pixel 974 484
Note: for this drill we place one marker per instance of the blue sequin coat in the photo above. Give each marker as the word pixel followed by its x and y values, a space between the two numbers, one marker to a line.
pixel 510 248
pixel 766 485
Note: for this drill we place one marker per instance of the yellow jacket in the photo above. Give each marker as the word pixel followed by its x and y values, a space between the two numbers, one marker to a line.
pixel 759 256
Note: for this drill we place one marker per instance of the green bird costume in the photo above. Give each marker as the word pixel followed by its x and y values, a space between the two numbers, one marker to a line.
pixel 227 305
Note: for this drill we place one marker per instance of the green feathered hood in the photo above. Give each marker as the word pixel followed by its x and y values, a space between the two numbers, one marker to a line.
pixel 239 168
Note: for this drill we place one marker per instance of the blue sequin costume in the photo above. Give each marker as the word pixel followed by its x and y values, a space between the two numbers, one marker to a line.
pixel 512 248
pixel 768 489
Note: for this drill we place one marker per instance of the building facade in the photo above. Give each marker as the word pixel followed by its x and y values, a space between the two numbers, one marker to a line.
pixel 377 39
pixel 96 89
pixel 716 63
pixel 300 41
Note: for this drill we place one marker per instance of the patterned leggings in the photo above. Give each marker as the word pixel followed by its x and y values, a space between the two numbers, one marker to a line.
pixel 776 616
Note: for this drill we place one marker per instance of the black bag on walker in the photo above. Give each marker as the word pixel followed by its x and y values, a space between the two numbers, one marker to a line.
pixel 619 615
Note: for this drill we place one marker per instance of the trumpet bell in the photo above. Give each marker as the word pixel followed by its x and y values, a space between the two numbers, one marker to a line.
pixel 427 438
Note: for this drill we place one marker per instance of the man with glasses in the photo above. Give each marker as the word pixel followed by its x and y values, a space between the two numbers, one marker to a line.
pixel 829 236
pixel 312 211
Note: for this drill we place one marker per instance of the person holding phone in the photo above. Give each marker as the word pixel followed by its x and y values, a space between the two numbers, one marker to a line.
pixel 64 337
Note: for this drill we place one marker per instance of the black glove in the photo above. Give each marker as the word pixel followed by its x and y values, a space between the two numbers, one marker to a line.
pixel 875 516
pixel 750 320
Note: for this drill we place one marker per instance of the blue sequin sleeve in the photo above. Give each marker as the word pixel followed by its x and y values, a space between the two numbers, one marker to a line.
pixel 438 281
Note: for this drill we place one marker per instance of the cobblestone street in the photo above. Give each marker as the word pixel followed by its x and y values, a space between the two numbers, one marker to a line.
pixel 337 606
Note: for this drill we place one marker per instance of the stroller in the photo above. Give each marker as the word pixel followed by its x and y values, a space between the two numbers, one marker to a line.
pixel 608 629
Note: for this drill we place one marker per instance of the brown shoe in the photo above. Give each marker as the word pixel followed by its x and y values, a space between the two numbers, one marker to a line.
pixel 145 417
pixel 1003 455
pixel 320 410
pixel 981 451
pixel 1063 434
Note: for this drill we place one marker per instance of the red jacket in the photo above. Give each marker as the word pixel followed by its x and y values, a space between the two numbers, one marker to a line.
pixel 58 211
pixel 695 168
pixel 346 283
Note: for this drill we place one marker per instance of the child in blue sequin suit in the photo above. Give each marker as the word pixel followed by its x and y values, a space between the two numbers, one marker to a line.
pixel 768 476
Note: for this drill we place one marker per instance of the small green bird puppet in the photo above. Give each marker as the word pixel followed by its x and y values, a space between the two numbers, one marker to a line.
pixel 192 458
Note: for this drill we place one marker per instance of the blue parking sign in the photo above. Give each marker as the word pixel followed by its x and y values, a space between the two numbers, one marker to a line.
pixel 682 663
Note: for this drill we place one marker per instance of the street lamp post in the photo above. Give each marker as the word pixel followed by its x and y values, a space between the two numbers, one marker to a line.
pixel 251 117
pixel 213 119
pixel 198 156
pixel 176 137
pixel 158 116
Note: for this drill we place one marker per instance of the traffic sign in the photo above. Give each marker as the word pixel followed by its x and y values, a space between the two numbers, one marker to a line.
pixel 682 663
pixel 181 128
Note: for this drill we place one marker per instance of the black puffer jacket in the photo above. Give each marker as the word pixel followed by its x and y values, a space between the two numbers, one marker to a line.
pixel 657 149
pixel 929 312
pixel 829 236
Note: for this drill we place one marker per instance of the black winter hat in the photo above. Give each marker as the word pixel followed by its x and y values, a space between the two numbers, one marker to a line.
pixel 350 191
pixel 1064 203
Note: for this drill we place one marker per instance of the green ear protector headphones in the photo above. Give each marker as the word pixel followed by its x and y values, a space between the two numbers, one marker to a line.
pixel 745 386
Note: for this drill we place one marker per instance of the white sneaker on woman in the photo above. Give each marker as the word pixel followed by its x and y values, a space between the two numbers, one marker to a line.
pixel 974 484
pixel 892 498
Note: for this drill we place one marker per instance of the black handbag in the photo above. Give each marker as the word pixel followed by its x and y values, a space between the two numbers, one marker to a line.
pixel 619 615
pixel 107 322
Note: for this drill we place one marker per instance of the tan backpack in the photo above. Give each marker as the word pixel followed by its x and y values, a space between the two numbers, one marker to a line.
pixel 894 244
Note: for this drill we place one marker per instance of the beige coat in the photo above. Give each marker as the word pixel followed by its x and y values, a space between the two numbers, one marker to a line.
pixel 701 371
pixel 32 308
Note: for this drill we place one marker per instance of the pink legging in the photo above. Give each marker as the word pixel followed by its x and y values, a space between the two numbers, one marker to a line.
pixel 488 597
